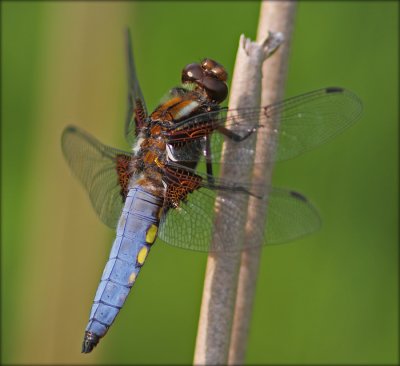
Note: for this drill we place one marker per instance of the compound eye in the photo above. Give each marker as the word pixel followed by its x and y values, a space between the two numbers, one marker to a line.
pixel 192 73
pixel 216 89
pixel 208 64
pixel 214 68
pixel 220 72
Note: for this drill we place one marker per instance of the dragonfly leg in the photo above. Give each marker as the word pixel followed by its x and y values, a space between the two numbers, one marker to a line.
pixel 207 155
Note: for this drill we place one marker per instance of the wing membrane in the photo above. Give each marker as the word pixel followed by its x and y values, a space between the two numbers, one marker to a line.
pixel 95 165
pixel 312 119
pixel 191 225
pixel 290 216
pixel 137 111
pixel 305 122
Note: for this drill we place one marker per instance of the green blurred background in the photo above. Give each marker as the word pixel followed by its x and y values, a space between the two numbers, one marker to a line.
pixel 329 298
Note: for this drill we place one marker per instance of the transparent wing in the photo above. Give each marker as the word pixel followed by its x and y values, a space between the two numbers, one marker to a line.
pixel 305 122
pixel 290 216
pixel 137 111
pixel 312 119
pixel 191 225
pixel 96 165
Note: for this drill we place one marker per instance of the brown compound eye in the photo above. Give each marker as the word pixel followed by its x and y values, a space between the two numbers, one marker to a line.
pixel 192 73
pixel 216 89
pixel 214 68
pixel 208 64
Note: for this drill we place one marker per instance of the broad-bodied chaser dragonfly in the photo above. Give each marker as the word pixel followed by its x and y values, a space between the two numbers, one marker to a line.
pixel 169 186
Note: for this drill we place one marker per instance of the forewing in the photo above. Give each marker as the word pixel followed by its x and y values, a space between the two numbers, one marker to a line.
pixel 312 119
pixel 137 111
pixel 96 166
pixel 305 122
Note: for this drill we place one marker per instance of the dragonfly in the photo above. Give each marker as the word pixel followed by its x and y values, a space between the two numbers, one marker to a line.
pixel 170 186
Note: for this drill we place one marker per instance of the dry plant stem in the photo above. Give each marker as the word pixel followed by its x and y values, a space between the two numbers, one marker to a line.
pixel 276 16
pixel 215 323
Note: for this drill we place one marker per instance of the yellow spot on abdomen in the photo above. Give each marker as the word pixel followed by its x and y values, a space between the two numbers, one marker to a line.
pixel 142 255
pixel 151 234
pixel 132 278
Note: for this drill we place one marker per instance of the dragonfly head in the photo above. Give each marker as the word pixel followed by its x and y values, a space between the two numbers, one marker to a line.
pixel 210 76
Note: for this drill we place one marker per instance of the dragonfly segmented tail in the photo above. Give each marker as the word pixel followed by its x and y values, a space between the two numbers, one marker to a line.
pixel 136 232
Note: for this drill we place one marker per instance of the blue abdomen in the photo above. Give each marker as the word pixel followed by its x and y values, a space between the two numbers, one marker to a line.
pixel 136 232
